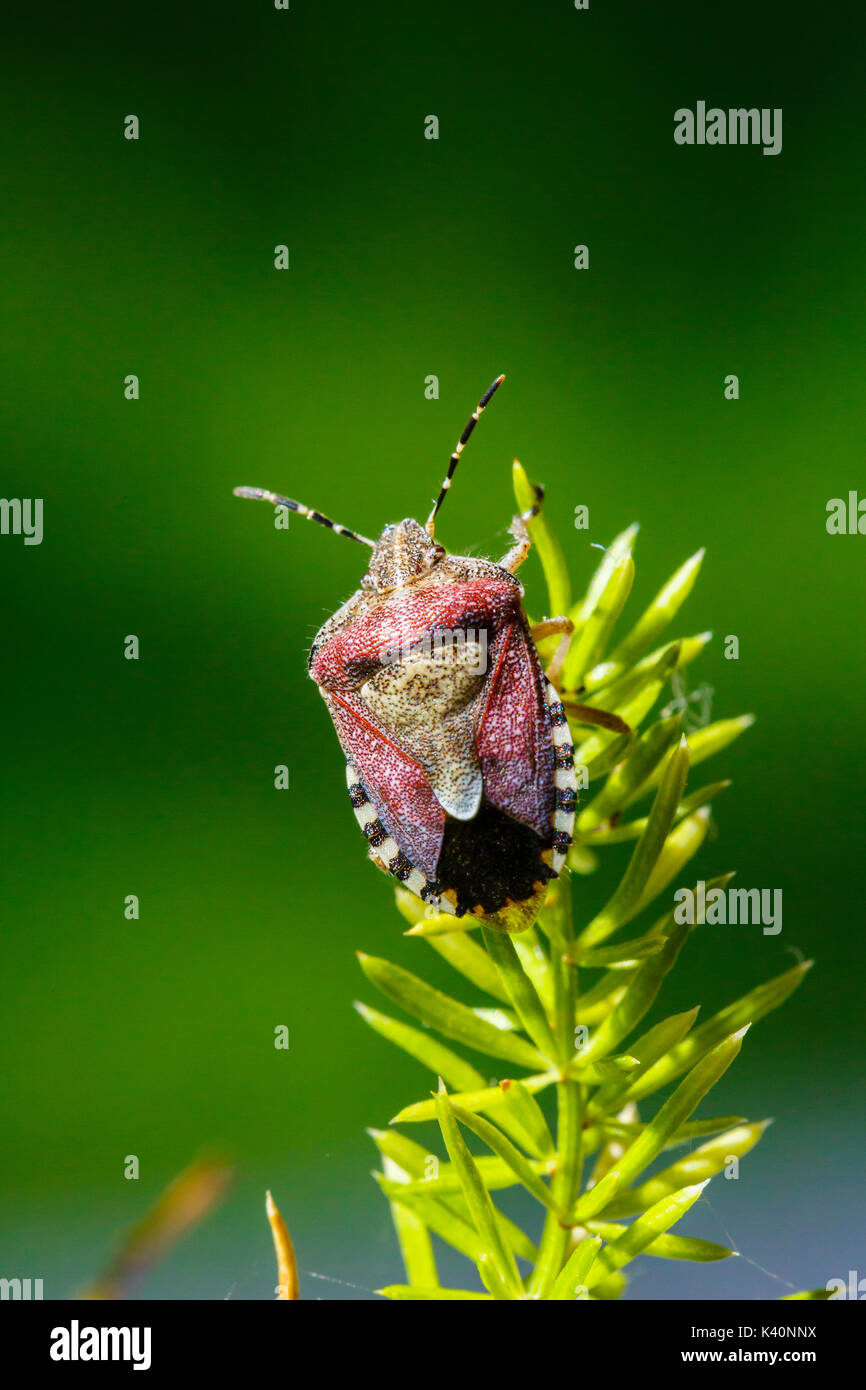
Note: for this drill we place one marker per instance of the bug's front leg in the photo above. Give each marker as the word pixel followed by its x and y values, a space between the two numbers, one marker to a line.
pixel 553 627
pixel 582 714
pixel 588 714
pixel 519 529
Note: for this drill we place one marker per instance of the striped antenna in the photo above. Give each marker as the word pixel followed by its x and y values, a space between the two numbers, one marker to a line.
pixel 455 457
pixel 258 494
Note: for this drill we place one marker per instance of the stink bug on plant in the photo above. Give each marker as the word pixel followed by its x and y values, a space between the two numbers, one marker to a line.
pixel 459 760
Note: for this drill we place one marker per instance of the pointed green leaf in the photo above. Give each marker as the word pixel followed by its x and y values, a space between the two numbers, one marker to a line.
pixel 607 673
pixel 606 755
pixel 413 1161
pixel 405 1152
pixel 625 1130
pixel 626 899
pixel 424 1048
pixel 602 1072
pixel 669 1247
pixel 503 1019
pixel 594 628
pixel 633 829
pixel 412 1235
pixel 470 959
pixel 438 1010
pixel 631 697
pixel 702 797
pixel 547 546
pixel 703 1163
pixel 435 1202
pixel 675 1111
pixel 501 1262
pixel 690 1248
pixel 504 1149
pixel 612 1288
pixel 520 989
pixel 638 998
pixel 661 611
pixel 442 1219
pixel 620 546
pixel 645 1230
pixel 815 1295
pixel 699 1129
pixel 749 1009
pixel 444 924
pixel 595 1012
pixel 487 1099
pixel 703 743
pixel 611 986
pixel 648 1048
pixel 624 953
pixel 572 1281
pixel 681 845
pixel 528 1124
pixel 642 758
pixel 536 965
pixel 448 1217
pixel 495 1174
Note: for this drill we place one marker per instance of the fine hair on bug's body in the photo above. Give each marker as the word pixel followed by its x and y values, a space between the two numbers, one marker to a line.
pixel 459 760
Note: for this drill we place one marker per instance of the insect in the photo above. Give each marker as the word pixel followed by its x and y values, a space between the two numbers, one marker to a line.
pixel 459 759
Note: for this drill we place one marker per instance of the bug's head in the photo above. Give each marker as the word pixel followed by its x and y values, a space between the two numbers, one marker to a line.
pixel 403 553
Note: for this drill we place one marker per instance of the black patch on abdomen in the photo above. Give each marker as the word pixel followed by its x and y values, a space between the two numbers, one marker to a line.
pixel 491 860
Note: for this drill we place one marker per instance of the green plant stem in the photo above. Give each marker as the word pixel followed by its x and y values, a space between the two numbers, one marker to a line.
pixel 560 925
pixel 565 1006
pixel 555 1240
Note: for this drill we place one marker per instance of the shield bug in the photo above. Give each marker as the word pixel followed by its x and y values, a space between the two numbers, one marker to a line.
pixel 459 760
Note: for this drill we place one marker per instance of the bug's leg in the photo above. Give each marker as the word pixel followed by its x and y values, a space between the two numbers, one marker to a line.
pixel 513 559
pixel 376 861
pixel 588 714
pixel 553 627
pixel 520 531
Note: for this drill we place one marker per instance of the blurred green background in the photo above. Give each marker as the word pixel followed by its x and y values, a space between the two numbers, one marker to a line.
pixel 408 257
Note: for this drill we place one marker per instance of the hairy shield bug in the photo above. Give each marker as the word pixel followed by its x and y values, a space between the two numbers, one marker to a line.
pixel 459 760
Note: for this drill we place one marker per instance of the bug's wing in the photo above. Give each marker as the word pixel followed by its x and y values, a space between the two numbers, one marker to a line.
pixel 513 739
pixel 396 785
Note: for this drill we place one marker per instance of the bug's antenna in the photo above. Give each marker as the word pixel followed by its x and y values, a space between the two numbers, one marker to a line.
pixel 258 494
pixel 455 457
